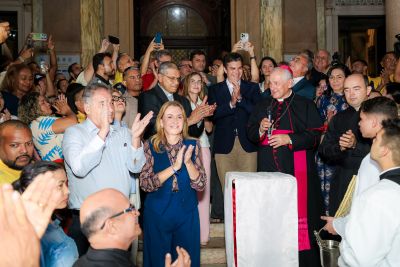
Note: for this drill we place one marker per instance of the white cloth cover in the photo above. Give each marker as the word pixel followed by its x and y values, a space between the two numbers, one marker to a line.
pixel 266 219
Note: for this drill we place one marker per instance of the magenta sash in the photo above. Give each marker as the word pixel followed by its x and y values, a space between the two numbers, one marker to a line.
pixel 300 172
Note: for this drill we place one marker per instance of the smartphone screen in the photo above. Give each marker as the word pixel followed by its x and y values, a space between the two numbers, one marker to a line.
pixel 157 38
pixel 39 37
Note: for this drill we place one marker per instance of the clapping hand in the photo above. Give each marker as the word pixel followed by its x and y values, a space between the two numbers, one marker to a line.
pixel 188 155
pixel 62 106
pixel 20 244
pixel 40 199
pixel 235 94
pixel 105 121
pixel 138 127
pixel 179 159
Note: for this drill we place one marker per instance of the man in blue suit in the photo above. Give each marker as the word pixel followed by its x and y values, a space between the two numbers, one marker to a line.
pixel 300 65
pixel 235 99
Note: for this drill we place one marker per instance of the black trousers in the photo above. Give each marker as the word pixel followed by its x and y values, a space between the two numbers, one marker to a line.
pixel 76 234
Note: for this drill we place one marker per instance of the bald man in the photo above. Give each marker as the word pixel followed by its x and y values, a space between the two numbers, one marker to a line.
pixel 110 224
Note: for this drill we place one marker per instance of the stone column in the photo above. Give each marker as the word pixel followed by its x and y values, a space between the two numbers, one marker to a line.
pixel 91 28
pixel 321 42
pixel 271 29
pixel 37 15
pixel 392 10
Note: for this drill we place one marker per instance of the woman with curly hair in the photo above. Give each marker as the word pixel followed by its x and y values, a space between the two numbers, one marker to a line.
pixel 47 129
pixel 17 82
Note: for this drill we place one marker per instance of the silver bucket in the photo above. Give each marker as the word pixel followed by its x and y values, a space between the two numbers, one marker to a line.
pixel 328 251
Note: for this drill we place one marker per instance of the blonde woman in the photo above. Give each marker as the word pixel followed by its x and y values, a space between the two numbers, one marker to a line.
pixel 193 89
pixel 172 175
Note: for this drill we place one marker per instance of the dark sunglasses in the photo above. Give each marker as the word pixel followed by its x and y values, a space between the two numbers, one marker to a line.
pixel 130 209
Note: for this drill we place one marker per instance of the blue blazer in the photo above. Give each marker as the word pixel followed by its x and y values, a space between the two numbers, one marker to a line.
pixel 229 120
pixel 304 88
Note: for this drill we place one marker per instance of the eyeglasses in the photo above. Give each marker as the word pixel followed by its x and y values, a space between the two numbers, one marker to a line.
pixel 130 209
pixel 178 79
pixel 118 98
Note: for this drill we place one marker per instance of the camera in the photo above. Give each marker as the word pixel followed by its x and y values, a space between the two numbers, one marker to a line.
pixel 397 46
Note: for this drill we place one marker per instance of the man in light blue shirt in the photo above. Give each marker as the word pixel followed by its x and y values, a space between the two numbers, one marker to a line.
pixel 99 155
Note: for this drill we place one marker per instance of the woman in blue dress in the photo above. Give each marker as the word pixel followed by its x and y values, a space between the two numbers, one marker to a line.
pixel 330 103
pixel 172 175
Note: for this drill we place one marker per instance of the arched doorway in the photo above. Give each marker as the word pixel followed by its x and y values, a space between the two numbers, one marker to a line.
pixel 184 25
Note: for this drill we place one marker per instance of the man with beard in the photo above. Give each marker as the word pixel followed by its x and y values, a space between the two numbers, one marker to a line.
pixel 16 149
pixel 104 68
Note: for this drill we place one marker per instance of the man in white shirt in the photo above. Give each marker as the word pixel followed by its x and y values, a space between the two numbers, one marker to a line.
pixel 98 155
pixel 372 233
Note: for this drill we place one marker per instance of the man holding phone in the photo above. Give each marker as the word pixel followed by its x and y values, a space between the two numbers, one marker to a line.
pixel 149 69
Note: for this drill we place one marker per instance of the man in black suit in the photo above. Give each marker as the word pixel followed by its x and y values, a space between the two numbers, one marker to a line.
pixel 166 90
pixel 300 65
pixel 235 99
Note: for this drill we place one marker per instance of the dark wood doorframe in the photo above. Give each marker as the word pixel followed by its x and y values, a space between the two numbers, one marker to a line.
pixel 349 26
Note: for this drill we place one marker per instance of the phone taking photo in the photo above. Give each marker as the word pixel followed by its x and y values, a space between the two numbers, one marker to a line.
pixel 113 39
pixel 244 37
pixel 157 38
pixel 42 37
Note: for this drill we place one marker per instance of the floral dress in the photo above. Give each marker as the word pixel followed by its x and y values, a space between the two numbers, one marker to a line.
pixel 325 104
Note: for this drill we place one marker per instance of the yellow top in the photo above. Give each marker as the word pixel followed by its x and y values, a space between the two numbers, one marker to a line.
pixel 378 80
pixel 118 77
pixel 8 175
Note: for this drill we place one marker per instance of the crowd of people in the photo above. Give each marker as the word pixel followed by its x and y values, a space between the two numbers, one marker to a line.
pixel 81 155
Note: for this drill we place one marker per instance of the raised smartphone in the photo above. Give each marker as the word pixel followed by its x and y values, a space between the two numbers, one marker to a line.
pixel 39 37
